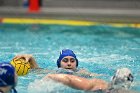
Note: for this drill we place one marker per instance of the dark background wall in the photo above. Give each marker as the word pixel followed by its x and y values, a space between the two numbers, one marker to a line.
pixel 79 3
pixel 12 3
pixel 93 3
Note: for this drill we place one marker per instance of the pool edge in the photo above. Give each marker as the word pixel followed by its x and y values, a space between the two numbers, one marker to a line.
pixel 63 22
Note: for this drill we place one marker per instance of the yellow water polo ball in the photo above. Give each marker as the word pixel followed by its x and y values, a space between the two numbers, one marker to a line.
pixel 21 66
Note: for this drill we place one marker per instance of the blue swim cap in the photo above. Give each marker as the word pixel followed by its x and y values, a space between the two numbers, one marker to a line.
pixel 7 75
pixel 64 53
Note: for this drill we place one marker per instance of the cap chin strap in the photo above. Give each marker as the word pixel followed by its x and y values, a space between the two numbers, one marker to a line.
pixel 13 90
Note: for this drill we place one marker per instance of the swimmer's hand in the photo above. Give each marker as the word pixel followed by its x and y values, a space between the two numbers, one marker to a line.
pixel 28 58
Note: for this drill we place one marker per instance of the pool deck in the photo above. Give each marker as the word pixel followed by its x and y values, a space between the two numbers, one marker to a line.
pixel 87 14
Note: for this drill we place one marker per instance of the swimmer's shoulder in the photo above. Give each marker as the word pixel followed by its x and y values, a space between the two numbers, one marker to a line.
pixel 64 71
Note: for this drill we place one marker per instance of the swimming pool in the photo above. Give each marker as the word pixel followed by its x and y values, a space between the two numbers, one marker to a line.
pixel 100 49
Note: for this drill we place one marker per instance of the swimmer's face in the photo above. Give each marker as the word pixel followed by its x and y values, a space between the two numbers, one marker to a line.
pixel 68 62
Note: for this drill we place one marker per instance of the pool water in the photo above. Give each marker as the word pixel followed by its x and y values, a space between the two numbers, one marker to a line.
pixel 100 49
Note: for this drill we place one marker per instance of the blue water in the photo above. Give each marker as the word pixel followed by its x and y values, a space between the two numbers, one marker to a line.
pixel 100 49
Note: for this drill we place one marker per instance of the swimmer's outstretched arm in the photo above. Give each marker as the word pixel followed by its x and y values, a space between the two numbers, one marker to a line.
pixel 79 82
pixel 29 58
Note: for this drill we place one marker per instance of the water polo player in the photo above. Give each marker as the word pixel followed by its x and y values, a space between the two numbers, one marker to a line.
pixel 67 60
pixel 68 63
pixel 8 78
